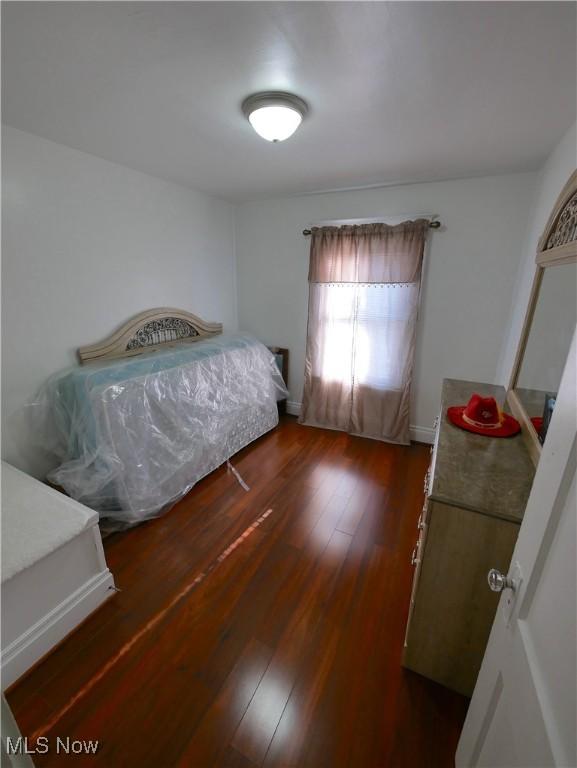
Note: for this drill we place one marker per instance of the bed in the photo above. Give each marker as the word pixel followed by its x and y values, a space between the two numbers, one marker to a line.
pixel 53 569
pixel 154 408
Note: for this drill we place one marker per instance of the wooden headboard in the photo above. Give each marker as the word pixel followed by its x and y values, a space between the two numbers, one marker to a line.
pixel 150 330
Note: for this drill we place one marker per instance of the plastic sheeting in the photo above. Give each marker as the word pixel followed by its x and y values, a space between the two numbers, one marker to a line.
pixel 134 435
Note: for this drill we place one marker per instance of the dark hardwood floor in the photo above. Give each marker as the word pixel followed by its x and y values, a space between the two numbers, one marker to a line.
pixel 286 652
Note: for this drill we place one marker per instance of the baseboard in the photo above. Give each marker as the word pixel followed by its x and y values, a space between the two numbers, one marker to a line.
pixel 422 434
pixel 293 408
pixel 37 641
pixel 418 434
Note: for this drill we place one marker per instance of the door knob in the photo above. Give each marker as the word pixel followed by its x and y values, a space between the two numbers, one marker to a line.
pixel 498 582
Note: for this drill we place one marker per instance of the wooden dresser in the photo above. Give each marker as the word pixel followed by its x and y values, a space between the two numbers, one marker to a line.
pixel 476 490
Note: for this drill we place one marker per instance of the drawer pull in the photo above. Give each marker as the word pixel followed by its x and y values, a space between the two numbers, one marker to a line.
pixel 426 484
pixel 435 422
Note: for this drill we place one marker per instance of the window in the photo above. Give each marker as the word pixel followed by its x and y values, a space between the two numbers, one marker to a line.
pixel 364 283
pixel 365 327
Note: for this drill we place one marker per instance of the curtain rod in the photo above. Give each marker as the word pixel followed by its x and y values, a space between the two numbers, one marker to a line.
pixel 432 225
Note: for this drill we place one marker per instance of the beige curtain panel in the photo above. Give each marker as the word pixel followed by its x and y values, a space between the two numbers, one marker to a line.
pixel 364 286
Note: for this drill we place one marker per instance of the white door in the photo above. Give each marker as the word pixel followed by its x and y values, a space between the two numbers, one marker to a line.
pixel 523 711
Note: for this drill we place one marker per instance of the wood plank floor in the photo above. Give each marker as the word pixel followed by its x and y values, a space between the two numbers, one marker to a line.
pixel 286 652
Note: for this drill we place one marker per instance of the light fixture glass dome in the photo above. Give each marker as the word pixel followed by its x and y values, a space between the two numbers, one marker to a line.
pixel 275 123
pixel 274 115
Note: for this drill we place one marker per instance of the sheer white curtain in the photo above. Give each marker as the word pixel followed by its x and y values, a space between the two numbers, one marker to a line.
pixel 362 335
pixel 366 332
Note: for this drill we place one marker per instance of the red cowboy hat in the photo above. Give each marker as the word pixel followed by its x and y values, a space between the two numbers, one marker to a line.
pixel 537 422
pixel 483 416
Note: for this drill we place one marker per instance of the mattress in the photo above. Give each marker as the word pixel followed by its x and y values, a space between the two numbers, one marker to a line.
pixel 132 436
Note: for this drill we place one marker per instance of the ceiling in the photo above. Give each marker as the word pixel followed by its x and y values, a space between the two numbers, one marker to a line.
pixel 398 91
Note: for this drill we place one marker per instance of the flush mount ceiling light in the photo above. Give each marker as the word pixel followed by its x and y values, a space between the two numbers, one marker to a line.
pixel 273 114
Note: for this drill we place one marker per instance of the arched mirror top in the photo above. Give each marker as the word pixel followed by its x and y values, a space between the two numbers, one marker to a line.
pixel 559 238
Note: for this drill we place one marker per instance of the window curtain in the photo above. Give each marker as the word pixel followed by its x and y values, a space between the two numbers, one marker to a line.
pixel 364 286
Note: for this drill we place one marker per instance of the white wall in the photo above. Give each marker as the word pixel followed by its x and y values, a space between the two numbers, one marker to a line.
pixel 87 244
pixel 549 183
pixel 470 272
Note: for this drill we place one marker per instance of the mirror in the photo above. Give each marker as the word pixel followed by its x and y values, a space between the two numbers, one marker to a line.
pixel 550 323
pixel 548 343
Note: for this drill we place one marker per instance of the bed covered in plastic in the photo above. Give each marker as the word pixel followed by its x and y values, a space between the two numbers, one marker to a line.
pixel 134 435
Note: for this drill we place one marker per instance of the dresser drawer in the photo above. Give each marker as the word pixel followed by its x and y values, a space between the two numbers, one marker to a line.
pixel 416 560
pixel 417 553
pixel 419 548
pixel 424 516
pixel 431 471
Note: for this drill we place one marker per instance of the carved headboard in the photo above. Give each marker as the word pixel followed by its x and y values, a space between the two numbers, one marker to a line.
pixel 148 331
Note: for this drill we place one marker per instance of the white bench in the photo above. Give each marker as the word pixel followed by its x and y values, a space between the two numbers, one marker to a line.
pixel 54 573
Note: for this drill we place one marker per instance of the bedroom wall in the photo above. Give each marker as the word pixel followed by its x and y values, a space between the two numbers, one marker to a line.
pixel 469 278
pixel 549 182
pixel 86 244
